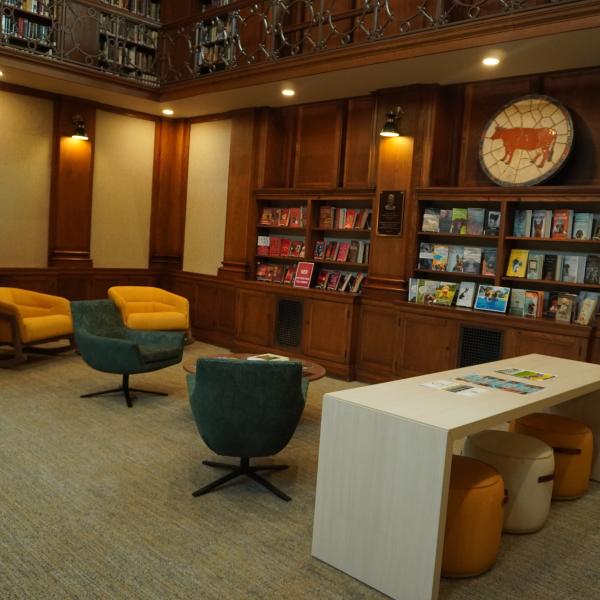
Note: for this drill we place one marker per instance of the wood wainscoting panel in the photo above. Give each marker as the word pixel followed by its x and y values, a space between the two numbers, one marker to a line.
pixel 255 317
pixel 358 146
pixel 327 330
pixel 318 145
pixel 427 345
pixel 521 341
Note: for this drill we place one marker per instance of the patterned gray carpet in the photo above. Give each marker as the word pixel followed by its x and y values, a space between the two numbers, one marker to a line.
pixel 95 503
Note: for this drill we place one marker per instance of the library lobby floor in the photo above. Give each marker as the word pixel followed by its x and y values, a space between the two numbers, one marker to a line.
pixel 95 502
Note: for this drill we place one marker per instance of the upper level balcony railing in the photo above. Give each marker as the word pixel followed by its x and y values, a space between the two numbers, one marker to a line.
pixel 227 35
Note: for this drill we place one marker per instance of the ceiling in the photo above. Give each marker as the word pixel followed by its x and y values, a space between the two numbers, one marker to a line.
pixel 535 55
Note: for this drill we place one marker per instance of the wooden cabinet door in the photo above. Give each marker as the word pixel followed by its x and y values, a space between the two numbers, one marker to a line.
pixel 254 317
pixel 377 340
pixel 327 330
pixel 538 342
pixel 427 345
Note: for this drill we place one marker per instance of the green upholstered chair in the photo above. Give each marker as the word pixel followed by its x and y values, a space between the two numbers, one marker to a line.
pixel 107 345
pixel 246 409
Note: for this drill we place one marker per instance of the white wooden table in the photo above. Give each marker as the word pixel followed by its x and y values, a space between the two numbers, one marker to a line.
pixel 384 465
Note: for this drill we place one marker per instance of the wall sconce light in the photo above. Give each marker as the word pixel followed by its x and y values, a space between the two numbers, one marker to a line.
pixel 391 127
pixel 79 132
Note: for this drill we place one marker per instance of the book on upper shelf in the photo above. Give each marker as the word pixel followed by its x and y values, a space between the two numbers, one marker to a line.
pixel 445 220
pixel 319 251
pixel 517 263
pixel 431 220
pixel 342 253
pixel 466 294
pixel 262 246
pixel 472 260
pixel 562 223
pixel 596 227
pixel 488 262
pixel 541 223
pixel 550 268
pixel 266 216
pixel 284 217
pixel 573 269
pixel 333 281
pixel 425 256
pixel 492 222
pixel 297 217
pixel 592 270
pixel 321 280
pixel 535 263
pixel 582 226
pixel 275 246
pixel 475 221
pixel 326 217
pixel 353 251
pixel 459 221
pixel 297 249
pixel 456 259
pixel 284 249
pixel 522 223
pixel 331 250
pixel 440 257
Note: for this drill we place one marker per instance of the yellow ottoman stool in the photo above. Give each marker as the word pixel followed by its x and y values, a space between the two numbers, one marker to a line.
pixel 572 442
pixel 527 468
pixel 474 518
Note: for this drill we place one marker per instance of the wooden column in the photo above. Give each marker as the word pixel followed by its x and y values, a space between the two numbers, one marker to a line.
pixel 240 228
pixel 169 194
pixel 402 163
pixel 71 195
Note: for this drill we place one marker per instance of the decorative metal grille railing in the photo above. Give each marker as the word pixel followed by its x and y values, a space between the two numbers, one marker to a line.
pixel 247 32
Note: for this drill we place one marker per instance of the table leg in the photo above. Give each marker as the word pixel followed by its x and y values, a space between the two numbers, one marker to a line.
pixel 381 499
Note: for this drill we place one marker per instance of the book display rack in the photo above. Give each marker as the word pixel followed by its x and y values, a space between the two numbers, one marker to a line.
pixel 533 254
pixel 331 232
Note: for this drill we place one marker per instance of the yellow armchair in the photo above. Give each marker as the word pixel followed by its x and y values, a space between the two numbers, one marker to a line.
pixel 151 308
pixel 28 318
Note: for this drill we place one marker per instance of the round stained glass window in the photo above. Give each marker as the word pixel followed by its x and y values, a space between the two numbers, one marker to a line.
pixel 526 141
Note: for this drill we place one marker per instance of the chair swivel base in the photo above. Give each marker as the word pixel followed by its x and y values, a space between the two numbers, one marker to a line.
pixel 126 390
pixel 244 468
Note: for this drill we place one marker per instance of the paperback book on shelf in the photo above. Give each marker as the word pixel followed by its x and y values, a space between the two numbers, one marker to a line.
pixel 284 217
pixel 466 294
pixel 517 302
pixel 562 223
pixel 475 219
pixel 326 217
pixel 331 250
pixel 342 253
pixel 425 256
pixel 472 260
pixel 275 246
pixel 541 223
pixel 290 273
pixel 566 307
pixel 333 281
pixel 445 220
pixel 459 221
pixel 297 249
pixel 266 216
pixel 413 282
pixel 573 268
pixel 492 298
pixel 549 268
pixel 492 223
pixel 353 251
pixel 262 247
pixel 534 304
pixel 444 293
pixel 321 280
pixel 592 270
pixel 431 220
pixel 587 311
pixel 426 291
pixel 551 305
pixel 440 257
pixel 488 263
pixel 582 226
pixel 456 259
pixel 284 249
pixel 535 264
pixel 517 263
pixel 522 223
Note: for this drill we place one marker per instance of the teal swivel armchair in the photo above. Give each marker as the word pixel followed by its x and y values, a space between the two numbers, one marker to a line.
pixel 246 409
pixel 107 345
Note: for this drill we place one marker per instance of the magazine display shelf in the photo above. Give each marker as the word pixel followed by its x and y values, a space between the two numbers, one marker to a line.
pixel 311 200
pixel 507 201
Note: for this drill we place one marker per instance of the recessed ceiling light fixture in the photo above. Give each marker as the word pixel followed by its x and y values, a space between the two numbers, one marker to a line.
pixel 491 61
pixel 168 111
pixel 288 92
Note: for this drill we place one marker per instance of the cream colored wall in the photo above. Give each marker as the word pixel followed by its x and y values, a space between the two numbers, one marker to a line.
pixel 122 194
pixel 25 170
pixel 207 197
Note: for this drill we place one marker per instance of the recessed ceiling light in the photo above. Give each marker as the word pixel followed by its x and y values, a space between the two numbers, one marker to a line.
pixel 288 92
pixel 168 111
pixel 491 61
